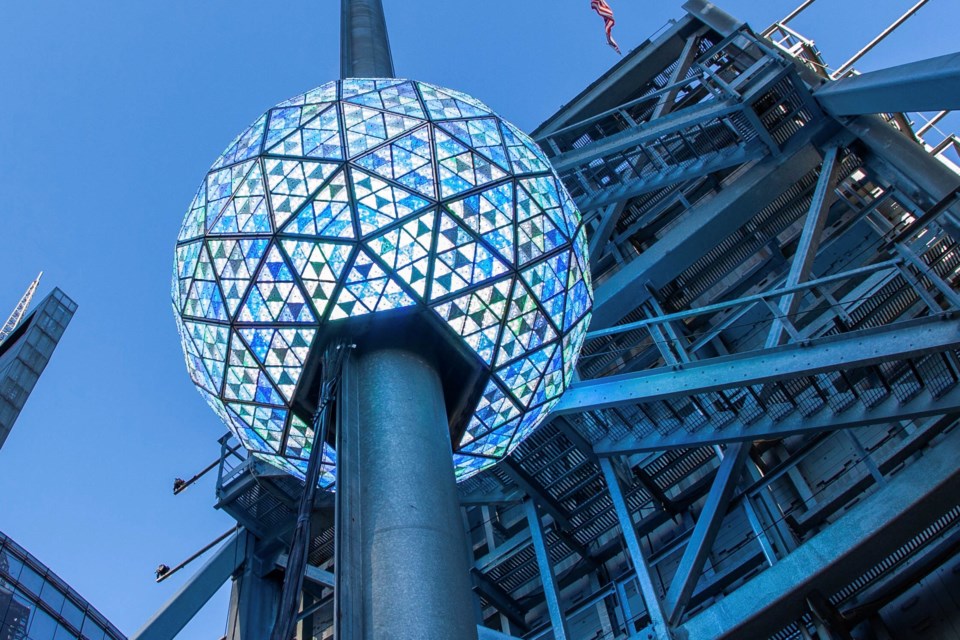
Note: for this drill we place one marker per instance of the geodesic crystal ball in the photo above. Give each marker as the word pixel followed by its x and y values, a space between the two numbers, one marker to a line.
pixel 375 196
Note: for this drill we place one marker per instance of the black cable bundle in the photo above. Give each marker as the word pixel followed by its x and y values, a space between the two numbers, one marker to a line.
pixel 332 364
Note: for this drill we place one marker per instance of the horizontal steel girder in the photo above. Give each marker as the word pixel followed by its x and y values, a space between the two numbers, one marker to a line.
pixel 844 351
pixel 927 85
pixel 698 232
pixel 766 428
pixel 869 532
pixel 643 133
pixel 709 163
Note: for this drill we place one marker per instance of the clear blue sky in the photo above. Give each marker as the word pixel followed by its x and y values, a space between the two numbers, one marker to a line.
pixel 110 114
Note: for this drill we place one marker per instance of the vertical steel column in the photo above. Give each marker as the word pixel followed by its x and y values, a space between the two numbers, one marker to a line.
pixel 649 592
pixel 254 599
pixel 364 45
pixel 551 591
pixel 414 575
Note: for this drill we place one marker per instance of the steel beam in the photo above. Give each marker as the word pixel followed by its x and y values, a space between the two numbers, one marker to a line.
pixel 823 196
pixel 843 351
pixel 500 599
pixel 196 591
pixel 927 85
pixel 651 598
pixel 311 573
pixel 891 410
pixel 868 532
pixel 698 231
pixel 705 532
pixel 551 592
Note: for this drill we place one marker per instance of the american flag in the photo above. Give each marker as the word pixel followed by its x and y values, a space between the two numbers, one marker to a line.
pixel 605 12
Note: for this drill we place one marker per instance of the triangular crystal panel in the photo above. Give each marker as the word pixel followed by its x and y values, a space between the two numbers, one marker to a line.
pixel 275 296
pixel 460 168
pixel 282 352
pixel 379 203
pixel 319 265
pixel 483 135
pixel 291 182
pixel 235 262
pixel 369 288
pixel 407 160
pixel 477 316
pixel 328 214
pixel 367 128
pixel 490 215
pixel 526 327
pixel 245 380
pixel 316 138
pixel 406 250
pixel 460 260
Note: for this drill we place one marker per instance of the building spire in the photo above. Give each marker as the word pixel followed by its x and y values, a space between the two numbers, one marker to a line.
pixel 20 309
pixel 364 45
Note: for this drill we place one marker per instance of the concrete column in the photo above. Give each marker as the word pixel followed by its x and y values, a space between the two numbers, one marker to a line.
pixel 415 576
pixel 364 45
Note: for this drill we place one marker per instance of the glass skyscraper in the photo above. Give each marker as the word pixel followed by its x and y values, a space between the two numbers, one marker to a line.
pixel 35 604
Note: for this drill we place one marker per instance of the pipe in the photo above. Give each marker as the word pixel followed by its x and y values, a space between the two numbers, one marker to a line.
pixel 364 44
pixel 883 34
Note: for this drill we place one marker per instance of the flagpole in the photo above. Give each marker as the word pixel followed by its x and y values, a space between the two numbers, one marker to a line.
pixel 364 44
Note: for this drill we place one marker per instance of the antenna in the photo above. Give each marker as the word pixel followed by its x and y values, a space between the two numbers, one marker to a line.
pixel 364 45
pixel 20 309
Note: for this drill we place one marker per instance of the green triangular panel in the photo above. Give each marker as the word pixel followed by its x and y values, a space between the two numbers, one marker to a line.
pixel 537 234
pixel 545 193
pixel 494 444
pixel 319 265
pixel 406 250
pixel 400 98
pixel 525 155
pixel 477 316
pixel 210 341
pixel 460 168
pixel 328 214
pixel 193 223
pixel 223 184
pixel 546 279
pixel 483 135
pixel 460 260
pixel 291 182
pixel 367 128
pixel 244 146
pixel 275 296
pixel 318 137
pixel 526 327
pixel 445 104
pixel 245 380
pixel 523 376
pixel 380 203
pixel 246 212
pixel 204 299
pixel 266 422
pixel 369 288
pixel 407 160
pixel 235 262
pixel 282 352
pixel 490 215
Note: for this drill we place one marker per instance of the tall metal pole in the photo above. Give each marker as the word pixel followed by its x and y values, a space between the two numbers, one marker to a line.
pixel 364 45
pixel 401 541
